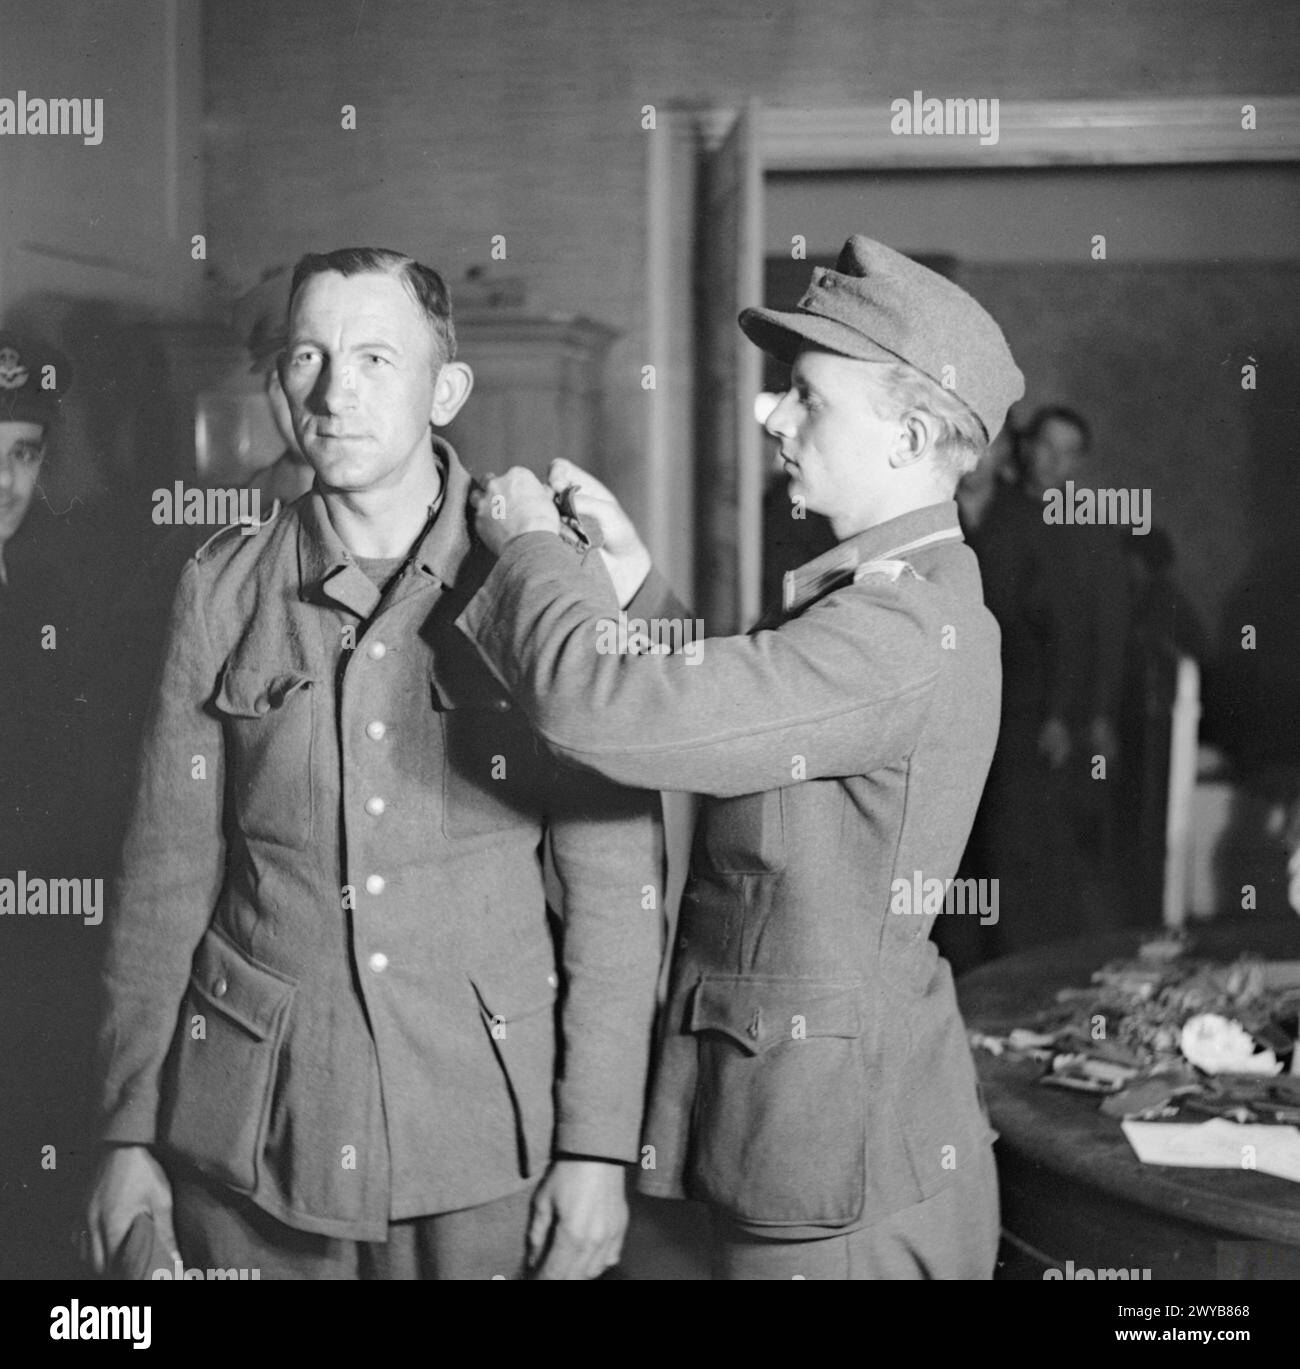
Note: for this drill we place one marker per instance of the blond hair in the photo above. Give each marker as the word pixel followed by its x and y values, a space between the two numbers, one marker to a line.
pixel 960 442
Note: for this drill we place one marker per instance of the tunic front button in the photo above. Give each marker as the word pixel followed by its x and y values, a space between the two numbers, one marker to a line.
pixel 375 806
pixel 219 988
pixel 375 731
pixel 376 651
pixel 374 884
pixel 379 962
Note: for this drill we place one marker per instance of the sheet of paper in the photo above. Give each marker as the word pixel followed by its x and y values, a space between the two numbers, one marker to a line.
pixel 1217 1144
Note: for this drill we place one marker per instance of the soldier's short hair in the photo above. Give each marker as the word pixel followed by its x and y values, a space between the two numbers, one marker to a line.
pixel 427 288
pixel 960 442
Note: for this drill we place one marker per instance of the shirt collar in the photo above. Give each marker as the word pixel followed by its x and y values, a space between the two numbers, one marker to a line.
pixel 326 566
pixel 892 540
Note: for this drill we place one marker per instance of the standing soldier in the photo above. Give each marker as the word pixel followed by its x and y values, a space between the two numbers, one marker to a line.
pixel 340 1037
pixel 813 1082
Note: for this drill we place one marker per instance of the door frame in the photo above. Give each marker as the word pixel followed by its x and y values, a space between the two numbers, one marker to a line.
pixel 1055 133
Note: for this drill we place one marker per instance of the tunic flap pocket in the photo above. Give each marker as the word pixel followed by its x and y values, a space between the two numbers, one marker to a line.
pixel 758 1014
pixel 445 700
pixel 248 994
pixel 245 693
pixel 512 990
pixel 457 685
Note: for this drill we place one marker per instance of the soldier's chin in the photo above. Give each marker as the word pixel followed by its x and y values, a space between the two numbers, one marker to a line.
pixel 339 475
pixel 803 500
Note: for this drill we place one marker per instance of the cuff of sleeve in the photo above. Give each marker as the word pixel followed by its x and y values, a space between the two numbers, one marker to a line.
pixel 133 1122
pixel 606 1139
pixel 649 600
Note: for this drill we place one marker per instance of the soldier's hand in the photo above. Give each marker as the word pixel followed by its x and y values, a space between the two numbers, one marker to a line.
pixel 511 505
pixel 624 553
pixel 129 1181
pixel 1054 743
pixel 579 1220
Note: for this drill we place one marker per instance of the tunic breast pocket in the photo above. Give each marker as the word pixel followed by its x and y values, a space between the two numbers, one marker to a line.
pixel 745 835
pixel 268 722
pixel 491 764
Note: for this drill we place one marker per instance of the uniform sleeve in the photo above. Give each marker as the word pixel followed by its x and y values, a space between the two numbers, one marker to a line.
pixel 655 599
pixel 170 875
pixel 608 853
pixel 841 690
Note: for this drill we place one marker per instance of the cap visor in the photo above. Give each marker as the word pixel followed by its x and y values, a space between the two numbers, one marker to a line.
pixel 781 334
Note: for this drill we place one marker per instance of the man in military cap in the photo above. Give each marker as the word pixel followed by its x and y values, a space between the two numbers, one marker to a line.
pixel 43 654
pixel 54 791
pixel 33 379
pixel 342 1037
pixel 813 1081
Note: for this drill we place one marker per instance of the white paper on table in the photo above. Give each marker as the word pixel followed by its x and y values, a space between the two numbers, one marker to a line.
pixel 1217 1144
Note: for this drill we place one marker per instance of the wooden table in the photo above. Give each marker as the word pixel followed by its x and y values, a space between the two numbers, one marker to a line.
pixel 1072 1188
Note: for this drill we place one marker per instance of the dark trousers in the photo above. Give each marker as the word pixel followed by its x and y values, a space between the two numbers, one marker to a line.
pixel 218 1229
pixel 1025 837
pixel 953 1235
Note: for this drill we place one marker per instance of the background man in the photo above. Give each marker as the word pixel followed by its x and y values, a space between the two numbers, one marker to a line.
pixel 55 792
pixel 1086 582
pixel 1024 833
pixel 331 983
pixel 261 317
pixel 813 1082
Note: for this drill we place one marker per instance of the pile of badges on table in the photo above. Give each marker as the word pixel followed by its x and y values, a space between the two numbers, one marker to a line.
pixel 1167 1037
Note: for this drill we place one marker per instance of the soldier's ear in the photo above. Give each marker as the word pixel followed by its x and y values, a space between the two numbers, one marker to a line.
pixel 450 391
pixel 915 438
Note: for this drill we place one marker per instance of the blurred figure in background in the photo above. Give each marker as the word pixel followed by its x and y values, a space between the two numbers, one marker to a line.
pixel 142 607
pixel 261 318
pixel 1023 836
pixel 54 793
pixel 994 477
pixel 43 654
pixel 1089 558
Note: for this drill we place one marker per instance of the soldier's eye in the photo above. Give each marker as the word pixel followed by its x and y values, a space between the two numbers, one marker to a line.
pixel 28 455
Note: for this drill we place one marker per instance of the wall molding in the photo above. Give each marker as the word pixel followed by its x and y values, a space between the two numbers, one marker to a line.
pixel 1030 133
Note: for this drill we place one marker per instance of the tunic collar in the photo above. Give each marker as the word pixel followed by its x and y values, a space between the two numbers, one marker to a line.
pixel 326 567
pixel 893 540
